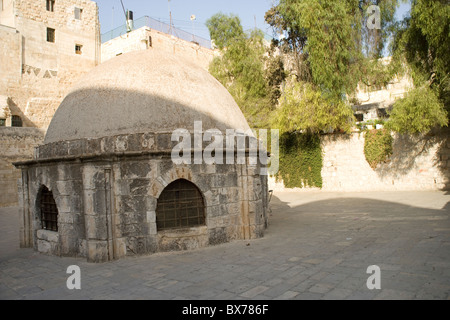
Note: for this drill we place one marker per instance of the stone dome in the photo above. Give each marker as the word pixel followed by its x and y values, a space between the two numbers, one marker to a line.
pixel 140 92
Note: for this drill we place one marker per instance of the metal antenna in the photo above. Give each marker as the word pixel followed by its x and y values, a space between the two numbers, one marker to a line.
pixel 112 19
pixel 171 21
pixel 124 12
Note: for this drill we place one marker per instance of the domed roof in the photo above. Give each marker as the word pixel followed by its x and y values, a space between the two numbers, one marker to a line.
pixel 140 92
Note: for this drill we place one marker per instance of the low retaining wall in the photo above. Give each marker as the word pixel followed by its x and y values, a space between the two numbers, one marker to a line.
pixel 417 163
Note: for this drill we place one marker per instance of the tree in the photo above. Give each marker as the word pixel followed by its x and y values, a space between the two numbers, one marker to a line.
pixel 419 112
pixel 304 109
pixel 422 42
pixel 241 67
pixel 225 29
pixel 330 43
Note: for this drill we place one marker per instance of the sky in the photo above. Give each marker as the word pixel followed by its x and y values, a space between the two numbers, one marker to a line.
pixel 182 10
pixel 247 10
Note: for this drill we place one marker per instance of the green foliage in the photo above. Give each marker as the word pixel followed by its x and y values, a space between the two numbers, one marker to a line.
pixel 302 108
pixel 301 160
pixel 330 43
pixel 422 40
pixel 275 75
pixel 241 69
pixel 419 112
pixel 378 146
pixel 362 126
pixel 225 29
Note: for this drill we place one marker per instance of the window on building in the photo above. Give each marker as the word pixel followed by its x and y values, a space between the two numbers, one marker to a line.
pixel 49 210
pixel 359 117
pixel 2 121
pixel 150 42
pixel 51 5
pixel 16 121
pixel 78 13
pixel 180 205
pixel 78 48
pixel 51 35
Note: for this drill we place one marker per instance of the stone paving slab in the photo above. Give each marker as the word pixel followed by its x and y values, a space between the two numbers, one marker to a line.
pixel 318 246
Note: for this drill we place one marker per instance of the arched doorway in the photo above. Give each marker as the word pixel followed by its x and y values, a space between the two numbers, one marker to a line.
pixel 181 205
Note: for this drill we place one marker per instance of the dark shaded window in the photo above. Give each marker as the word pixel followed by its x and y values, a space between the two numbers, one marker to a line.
pixel 78 13
pixel 180 205
pixel 50 35
pixel 78 48
pixel 359 117
pixel 2 122
pixel 16 121
pixel 49 210
pixel 51 5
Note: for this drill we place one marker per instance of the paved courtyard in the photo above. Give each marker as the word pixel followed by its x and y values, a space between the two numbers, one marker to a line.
pixel 318 246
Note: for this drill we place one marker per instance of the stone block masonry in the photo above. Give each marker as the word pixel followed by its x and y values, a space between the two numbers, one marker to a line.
pixel 417 163
pixel 17 144
pixel 36 72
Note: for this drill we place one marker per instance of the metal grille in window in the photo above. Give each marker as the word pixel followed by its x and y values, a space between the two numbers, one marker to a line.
pixel 49 211
pixel 16 121
pixel 180 205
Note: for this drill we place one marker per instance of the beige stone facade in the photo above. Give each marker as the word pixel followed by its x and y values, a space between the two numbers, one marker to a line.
pixel 39 57
pixel 16 144
pixel 38 67
pixel 417 163
pixel 145 38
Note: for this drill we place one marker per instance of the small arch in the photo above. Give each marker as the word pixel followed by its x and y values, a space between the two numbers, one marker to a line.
pixel 47 209
pixel 180 205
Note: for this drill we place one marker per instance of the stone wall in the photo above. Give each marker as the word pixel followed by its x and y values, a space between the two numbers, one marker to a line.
pixel 107 191
pixel 37 74
pixel 418 163
pixel 144 38
pixel 17 144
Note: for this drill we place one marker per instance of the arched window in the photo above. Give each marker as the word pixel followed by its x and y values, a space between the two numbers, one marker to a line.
pixel 49 211
pixel 180 205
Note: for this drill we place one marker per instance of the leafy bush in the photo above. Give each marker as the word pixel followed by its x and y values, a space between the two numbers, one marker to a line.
pixel 378 146
pixel 419 112
pixel 300 160
pixel 302 108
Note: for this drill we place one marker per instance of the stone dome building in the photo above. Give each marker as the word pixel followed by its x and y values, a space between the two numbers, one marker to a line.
pixel 103 185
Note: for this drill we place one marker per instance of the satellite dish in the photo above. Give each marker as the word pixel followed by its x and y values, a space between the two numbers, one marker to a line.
pixel 193 17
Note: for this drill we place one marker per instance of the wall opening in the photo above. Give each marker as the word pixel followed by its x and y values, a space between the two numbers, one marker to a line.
pixel 48 210
pixel 51 5
pixel 78 13
pixel 181 205
pixel 50 35
pixel 78 48
pixel 16 121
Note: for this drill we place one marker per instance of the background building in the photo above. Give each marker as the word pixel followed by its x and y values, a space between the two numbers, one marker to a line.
pixel 46 46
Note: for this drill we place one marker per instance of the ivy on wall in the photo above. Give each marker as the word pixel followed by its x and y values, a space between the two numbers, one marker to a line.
pixel 378 146
pixel 300 160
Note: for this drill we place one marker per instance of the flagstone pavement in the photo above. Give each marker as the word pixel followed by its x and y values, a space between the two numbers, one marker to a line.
pixel 319 245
